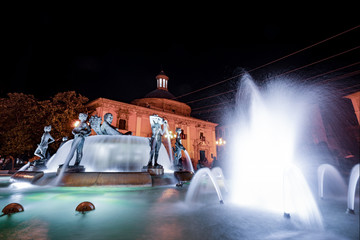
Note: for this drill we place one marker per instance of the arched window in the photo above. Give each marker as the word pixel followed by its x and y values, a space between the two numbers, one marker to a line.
pixel 122 124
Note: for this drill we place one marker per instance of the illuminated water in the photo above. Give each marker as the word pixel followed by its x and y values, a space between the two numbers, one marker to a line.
pixel 353 186
pixel 104 153
pixel 189 165
pixel 267 125
pixel 330 182
pixel 203 175
pixel 156 213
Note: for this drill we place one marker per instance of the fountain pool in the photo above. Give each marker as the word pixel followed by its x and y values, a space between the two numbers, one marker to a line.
pixel 156 213
pixel 264 182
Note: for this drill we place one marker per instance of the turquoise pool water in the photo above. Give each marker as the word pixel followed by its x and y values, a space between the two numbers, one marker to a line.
pixel 155 213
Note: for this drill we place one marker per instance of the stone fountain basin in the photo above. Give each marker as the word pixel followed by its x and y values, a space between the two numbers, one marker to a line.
pixel 87 179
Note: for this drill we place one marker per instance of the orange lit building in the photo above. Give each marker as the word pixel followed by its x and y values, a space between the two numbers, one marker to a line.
pixel 198 136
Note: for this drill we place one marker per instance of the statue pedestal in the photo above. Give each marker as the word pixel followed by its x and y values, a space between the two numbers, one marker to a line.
pixel 36 168
pixel 154 171
pixel 71 169
pixel 38 165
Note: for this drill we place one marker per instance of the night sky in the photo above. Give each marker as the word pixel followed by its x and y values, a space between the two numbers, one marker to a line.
pixel 117 53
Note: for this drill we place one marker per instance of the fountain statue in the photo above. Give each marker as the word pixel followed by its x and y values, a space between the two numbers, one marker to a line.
pixel 106 128
pixel 80 132
pixel 158 126
pixel 41 150
pixel 177 149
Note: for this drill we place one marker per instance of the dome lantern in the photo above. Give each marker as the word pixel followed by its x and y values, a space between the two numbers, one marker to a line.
pixel 162 81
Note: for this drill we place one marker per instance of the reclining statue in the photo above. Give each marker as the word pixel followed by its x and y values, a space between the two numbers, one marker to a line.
pixel 106 128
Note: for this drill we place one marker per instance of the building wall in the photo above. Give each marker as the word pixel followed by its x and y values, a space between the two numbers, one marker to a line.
pixel 137 121
pixel 355 100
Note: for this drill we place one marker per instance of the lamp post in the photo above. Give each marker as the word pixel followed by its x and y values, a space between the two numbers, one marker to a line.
pixel 220 142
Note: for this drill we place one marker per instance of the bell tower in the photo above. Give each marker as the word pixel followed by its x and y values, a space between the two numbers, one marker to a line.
pixel 162 81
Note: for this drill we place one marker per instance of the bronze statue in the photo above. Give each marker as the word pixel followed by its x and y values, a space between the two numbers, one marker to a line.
pixel 106 128
pixel 80 132
pixel 158 127
pixel 41 150
pixel 178 148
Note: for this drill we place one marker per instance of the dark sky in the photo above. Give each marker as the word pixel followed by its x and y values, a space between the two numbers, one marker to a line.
pixel 117 53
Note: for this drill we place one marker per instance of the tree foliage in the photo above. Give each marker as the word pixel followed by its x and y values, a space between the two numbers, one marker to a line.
pixel 22 120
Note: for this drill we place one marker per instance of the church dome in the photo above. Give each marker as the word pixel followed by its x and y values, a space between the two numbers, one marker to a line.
pixel 159 93
pixel 162 99
pixel 162 87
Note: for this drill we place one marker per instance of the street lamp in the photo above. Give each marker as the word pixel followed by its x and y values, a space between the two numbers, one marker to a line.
pixel 220 142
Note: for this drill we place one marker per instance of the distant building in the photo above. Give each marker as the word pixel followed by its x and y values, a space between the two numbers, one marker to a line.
pixel 198 136
pixel 355 100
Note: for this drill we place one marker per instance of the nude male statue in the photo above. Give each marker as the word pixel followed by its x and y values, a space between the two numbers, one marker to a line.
pixel 158 127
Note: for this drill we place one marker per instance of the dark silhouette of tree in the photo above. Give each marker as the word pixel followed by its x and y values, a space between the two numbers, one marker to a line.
pixel 22 120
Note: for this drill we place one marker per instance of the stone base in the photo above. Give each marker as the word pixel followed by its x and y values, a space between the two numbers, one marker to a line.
pixel 38 165
pixel 36 168
pixel 124 179
pixel 71 169
pixel 27 176
pixel 154 171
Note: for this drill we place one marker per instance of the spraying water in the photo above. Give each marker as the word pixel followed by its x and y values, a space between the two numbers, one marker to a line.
pixel 354 179
pixel 268 124
pixel 109 153
pixel 334 180
pixel 169 144
pixel 200 177
pixel 188 161
pixel 219 175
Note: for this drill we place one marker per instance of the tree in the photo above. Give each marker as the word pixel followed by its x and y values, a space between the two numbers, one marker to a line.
pixel 63 111
pixel 20 114
pixel 22 120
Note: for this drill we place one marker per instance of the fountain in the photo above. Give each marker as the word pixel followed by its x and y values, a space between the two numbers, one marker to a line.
pixel 269 122
pixel 110 158
pixel 335 183
pixel 201 177
pixel 354 179
pixel 262 181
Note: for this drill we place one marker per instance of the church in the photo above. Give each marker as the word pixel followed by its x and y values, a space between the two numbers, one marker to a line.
pixel 198 136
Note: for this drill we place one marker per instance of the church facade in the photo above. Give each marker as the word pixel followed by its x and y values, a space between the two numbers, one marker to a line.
pixel 198 136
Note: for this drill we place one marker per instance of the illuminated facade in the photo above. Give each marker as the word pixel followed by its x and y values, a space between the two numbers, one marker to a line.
pixel 355 100
pixel 198 136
